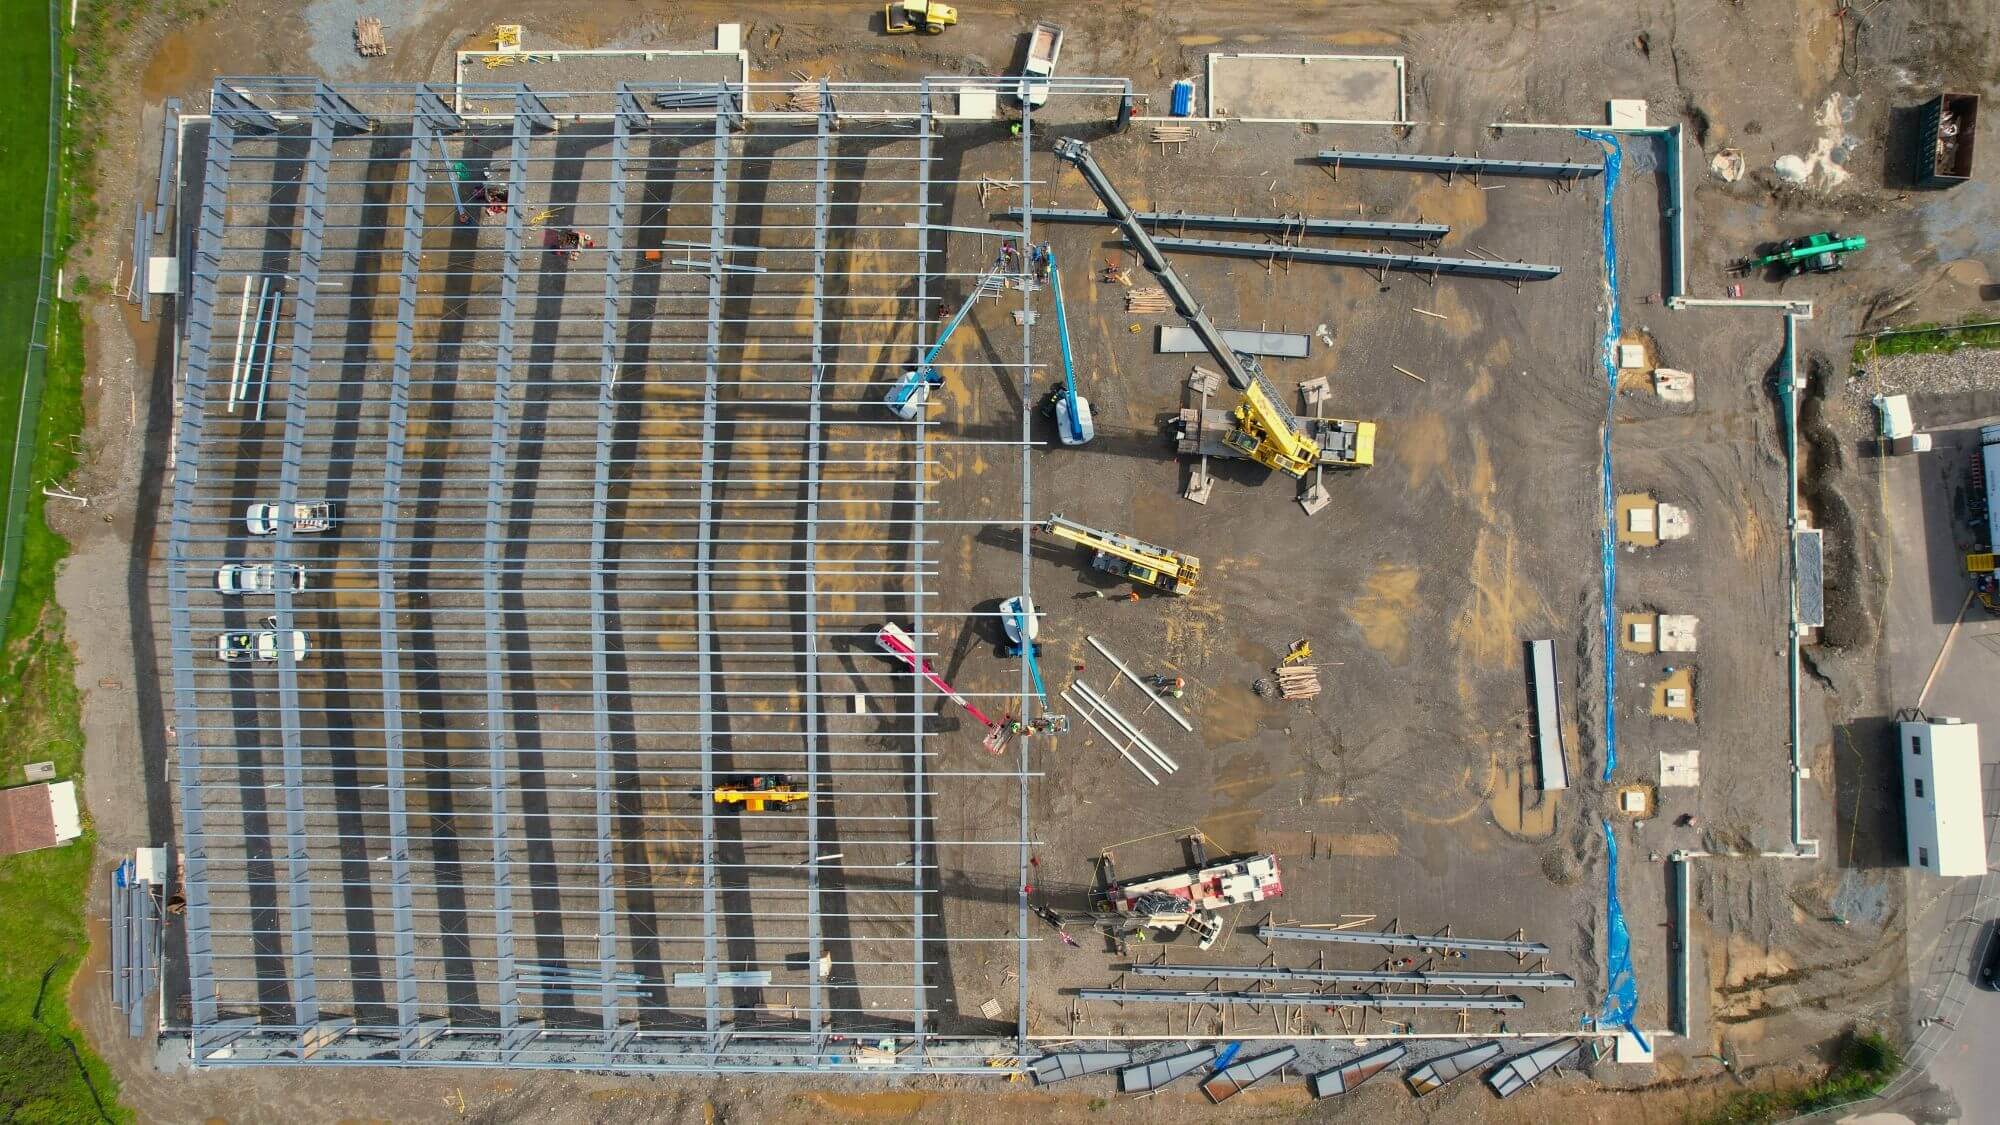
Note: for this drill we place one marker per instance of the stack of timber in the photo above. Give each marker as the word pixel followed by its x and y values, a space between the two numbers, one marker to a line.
pixel 1172 137
pixel 1298 681
pixel 368 40
pixel 1152 299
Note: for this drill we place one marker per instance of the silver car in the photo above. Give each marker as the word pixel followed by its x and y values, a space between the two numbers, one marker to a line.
pixel 256 578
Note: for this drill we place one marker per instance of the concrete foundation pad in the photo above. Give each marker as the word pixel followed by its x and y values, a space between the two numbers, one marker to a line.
pixel 1306 87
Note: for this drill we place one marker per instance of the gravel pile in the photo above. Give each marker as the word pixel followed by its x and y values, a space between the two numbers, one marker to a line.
pixel 1967 369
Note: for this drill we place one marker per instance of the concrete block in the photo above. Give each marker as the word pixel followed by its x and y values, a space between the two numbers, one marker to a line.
pixel 729 37
pixel 1677 632
pixel 1626 113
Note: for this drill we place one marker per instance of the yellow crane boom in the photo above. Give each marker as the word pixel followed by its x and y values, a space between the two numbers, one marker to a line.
pixel 1136 560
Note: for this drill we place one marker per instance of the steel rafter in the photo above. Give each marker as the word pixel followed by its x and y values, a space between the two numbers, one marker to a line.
pixel 1357 976
pixel 600 524
pixel 499 446
pixel 1283 226
pixel 1426 162
pixel 298 391
pixel 918 866
pixel 205 271
pixel 809 641
pixel 1431 1001
pixel 1366 259
pixel 704 556
pixel 424 133
pixel 1405 940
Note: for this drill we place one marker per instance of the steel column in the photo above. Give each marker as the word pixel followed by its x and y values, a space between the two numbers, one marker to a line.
pixel 600 522
pixel 416 186
pixel 208 243
pixel 809 640
pixel 298 391
pixel 704 556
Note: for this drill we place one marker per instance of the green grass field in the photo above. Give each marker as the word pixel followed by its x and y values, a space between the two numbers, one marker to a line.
pixel 47 1071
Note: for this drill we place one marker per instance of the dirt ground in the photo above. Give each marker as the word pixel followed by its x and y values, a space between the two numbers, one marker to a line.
pixel 1406 791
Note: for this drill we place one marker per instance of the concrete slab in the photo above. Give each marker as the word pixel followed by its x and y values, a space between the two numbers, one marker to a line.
pixel 1306 87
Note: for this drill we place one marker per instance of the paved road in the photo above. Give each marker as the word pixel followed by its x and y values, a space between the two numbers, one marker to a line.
pixel 1946 670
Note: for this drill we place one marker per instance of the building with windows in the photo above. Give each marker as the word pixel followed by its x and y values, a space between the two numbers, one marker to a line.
pixel 1945 813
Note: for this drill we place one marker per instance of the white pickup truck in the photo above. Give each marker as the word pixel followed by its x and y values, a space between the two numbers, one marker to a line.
pixel 1044 48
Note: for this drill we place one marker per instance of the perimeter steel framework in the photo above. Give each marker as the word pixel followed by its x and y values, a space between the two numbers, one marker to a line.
pixel 604 519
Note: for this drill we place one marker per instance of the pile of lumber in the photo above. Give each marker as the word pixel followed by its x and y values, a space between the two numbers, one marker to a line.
pixel 368 40
pixel 1298 681
pixel 1172 136
pixel 804 98
pixel 1149 300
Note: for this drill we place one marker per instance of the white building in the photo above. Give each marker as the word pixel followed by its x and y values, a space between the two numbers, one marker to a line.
pixel 1941 796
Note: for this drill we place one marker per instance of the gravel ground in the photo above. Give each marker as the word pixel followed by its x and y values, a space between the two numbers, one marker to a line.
pixel 1968 369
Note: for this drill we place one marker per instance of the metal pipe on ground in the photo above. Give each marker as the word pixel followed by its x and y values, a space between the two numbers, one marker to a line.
pixel 1122 723
pixel 1113 739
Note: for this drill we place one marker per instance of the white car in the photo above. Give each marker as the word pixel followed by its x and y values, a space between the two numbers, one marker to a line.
pixel 256 578
pixel 244 645
pixel 307 518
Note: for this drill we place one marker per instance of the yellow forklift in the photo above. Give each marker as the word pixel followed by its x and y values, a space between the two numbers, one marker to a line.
pixel 902 17
pixel 755 791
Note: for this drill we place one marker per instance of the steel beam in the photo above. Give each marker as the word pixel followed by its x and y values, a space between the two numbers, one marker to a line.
pixel 600 522
pixel 298 393
pixel 498 447
pixel 416 186
pixel 919 1026
pixel 1284 227
pixel 430 108
pixel 330 106
pixel 1345 976
pixel 631 117
pixel 1423 162
pixel 809 639
pixel 1430 1001
pixel 1413 941
pixel 205 272
pixel 530 106
pixel 1366 259
pixel 704 556
pixel 232 107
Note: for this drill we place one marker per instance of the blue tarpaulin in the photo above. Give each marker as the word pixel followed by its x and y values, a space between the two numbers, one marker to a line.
pixel 1607 533
pixel 1621 997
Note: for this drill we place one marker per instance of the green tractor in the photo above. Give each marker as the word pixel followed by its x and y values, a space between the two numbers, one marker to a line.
pixel 1821 252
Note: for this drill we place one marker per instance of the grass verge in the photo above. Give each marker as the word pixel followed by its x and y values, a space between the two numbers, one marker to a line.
pixel 47 1070
pixel 1927 337
pixel 1866 1064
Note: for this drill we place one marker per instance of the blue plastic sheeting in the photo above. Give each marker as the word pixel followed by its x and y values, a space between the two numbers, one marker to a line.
pixel 1183 105
pixel 1607 539
pixel 1621 999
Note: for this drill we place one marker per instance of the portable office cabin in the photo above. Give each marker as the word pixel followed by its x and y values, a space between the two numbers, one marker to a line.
pixel 1945 815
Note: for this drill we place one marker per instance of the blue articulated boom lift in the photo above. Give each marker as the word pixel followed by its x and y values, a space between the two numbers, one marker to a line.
pixel 1074 425
pixel 907 398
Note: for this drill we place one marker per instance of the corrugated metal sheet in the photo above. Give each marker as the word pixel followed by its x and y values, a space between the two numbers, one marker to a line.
pixel 1808 551
pixel 1548 716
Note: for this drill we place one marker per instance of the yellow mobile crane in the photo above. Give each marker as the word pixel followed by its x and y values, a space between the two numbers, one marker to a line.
pixel 1133 559
pixel 1260 428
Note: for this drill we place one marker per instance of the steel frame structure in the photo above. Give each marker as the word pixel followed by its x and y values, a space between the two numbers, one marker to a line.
pixel 604 520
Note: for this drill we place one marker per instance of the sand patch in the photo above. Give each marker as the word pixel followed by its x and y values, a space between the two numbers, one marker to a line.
pixel 1383 609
